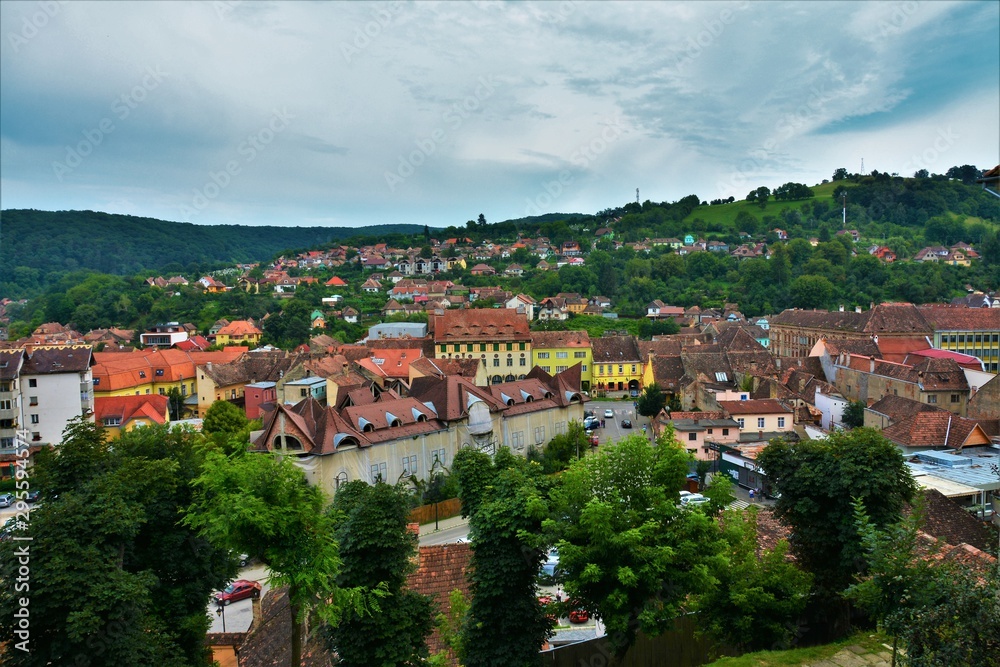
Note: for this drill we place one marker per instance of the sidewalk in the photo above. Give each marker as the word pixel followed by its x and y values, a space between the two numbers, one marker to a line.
pixel 443 524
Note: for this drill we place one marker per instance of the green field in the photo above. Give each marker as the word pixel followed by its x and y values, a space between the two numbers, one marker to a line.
pixel 726 213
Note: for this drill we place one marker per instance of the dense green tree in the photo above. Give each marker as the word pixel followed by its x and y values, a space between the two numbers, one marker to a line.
pixel 505 503
pixel 854 414
pixel 651 401
pixel 630 553
pixel 760 594
pixel 942 612
pixel 818 480
pixel 116 578
pixel 810 291
pixel 563 448
pixel 224 417
pixel 261 505
pixel 840 174
pixel 376 550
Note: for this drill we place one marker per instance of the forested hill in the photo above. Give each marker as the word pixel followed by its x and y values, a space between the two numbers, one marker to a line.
pixel 124 245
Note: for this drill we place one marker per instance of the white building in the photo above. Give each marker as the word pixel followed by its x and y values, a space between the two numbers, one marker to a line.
pixel 55 385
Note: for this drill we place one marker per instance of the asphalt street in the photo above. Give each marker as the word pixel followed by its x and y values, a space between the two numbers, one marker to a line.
pixel 236 617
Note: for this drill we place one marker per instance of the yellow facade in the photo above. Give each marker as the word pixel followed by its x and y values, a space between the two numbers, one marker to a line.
pixel 619 376
pixel 554 360
pixel 499 358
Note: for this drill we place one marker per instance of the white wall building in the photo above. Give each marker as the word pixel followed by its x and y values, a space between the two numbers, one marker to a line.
pixel 55 385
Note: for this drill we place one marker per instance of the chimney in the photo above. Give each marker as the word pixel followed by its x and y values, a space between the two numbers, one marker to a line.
pixel 841 307
pixel 760 435
pixel 871 364
pixel 209 365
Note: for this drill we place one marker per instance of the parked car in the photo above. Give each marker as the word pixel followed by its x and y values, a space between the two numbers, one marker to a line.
pixel 591 423
pixel 577 615
pixel 6 499
pixel 240 589
pixel 609 414
pixel 33 496
pixel 551 564
pixel 626 423
pixel 692 498
pixel 588 414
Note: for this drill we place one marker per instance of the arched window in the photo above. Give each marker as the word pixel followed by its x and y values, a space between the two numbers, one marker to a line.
pixel 497 379
pixel 286 442
pixel 340 480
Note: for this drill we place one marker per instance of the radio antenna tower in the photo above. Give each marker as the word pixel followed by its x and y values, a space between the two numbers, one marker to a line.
pixel 637 195
pixel 862 166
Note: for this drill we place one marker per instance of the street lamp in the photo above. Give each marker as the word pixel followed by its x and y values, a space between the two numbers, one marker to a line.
pixel 220 610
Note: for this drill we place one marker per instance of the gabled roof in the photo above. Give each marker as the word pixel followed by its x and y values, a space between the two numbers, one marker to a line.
pixel 501 324
pixel 961 318
pixel 765 406
pixel 239 328
pixel 127 408
pixel 615 349
pixel 550 339
pixel 45 359
pixel 885 318
pixel 897 408
pixel 936 429
pixel 11 361
pixel 451 396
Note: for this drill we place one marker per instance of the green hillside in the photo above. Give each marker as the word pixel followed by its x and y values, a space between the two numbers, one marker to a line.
pixel 726 213
pixel 37 243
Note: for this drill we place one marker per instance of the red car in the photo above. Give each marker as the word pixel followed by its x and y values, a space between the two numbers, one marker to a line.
pixel 579 616
pixel 240 589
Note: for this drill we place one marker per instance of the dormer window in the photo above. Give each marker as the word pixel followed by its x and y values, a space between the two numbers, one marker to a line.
pixel 142 374
pixel 159 372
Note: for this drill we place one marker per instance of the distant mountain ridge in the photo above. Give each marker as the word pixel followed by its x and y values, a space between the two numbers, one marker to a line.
pixel 125 244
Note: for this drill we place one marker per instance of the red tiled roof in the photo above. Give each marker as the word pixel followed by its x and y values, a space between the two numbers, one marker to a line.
pixel 936 429
pixel 961 318
pixel 126 408
pixel 753 407
pixel 441 569
pixel 550 339
pixel 479 324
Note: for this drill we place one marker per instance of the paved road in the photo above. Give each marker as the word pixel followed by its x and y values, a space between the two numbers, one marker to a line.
pixel 446 534
pixel 613 431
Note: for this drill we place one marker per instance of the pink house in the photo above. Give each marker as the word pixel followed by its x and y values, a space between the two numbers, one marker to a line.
pixel 257 394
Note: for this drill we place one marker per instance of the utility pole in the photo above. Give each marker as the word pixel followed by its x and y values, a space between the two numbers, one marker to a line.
pixel 845 210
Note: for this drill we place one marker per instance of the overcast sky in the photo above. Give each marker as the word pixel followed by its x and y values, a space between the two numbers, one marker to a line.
pixel 431 113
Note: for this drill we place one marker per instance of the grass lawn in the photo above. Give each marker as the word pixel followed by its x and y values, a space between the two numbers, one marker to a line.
pixel 803 656
pixel 726 213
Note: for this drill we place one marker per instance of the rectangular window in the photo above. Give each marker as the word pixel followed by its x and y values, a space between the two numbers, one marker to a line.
pixel 517 440
pixel 725 431
pixel 633 369
pixel 410 465
pixel 932 399
pixel 162 392
pixel 579 355
pixel 4 386
pixel 710 431
pixel 560 427
pixel 760 422
pixel 954 398
pixel 524 362
pixel 510 361
pixel 437 458
pixel 482 347
pixel 543 355
pixel 32 400
pixel 378 473
pixel 510 346
pixel 34 419
pixel 692 436
pixel 302 392
pixel 112 421
pixel 621 369
pixel 496 347
pixel 781 422
pixel 6 404
pixel 32 382
pixel 6 443
pixel 520 346
pixel 539 435
pixel 468 347
pixel 547 369
pixel 562 355
pixel 496 361
pixel 444 348
pixel 560 369
pixel 6 423
pixel 740 422
pixel 583 367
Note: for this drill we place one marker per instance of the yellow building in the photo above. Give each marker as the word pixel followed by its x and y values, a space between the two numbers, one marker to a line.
pixel 119 414
pixel 618 365
pixel 500 337
pixel 240 332
pixel 555 351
